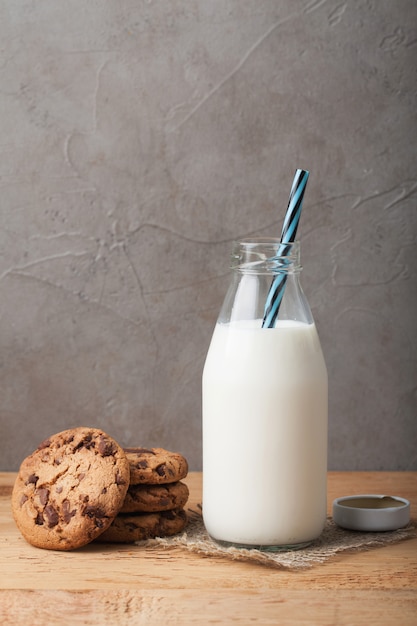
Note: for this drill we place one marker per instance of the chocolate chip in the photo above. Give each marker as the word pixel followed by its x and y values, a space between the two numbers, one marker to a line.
pixel 51 515
pixel 142 464
pixel 32 479
pixel 96 514
pixel 161 469
pixel 66 511
pixel 23 499
pixel 39 519
pixel 59 489
pixel 92 511
pixel 105 447
pixel 45 444
pixel 87 442
pixel 119 479
pixel 81 476
pixel 43 495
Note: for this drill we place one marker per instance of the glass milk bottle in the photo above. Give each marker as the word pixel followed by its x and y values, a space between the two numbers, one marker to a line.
pixel 265 409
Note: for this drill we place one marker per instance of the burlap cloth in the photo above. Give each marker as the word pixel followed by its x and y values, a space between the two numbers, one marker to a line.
pixel 332 541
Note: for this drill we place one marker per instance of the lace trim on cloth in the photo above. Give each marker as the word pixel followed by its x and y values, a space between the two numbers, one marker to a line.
pixel 332 541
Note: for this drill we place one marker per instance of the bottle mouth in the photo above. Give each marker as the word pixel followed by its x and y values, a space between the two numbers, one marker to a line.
pixel 266 255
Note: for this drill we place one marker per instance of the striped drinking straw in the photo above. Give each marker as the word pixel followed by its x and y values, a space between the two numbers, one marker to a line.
pixel 289 231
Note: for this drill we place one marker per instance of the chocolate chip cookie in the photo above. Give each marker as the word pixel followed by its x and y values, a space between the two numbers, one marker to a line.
pixel 155 498
pixel 155 466
pixel 130 528
pixel 69 490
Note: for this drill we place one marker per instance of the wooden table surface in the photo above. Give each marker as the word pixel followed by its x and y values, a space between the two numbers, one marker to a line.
pixel 128 584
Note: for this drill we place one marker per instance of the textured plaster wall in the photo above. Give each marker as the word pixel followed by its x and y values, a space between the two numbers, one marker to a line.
pixel 138 139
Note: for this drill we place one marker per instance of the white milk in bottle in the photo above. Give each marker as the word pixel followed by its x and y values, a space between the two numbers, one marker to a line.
pixel 264 411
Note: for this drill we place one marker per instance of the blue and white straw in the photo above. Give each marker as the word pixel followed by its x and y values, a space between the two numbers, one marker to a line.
pixel 288 234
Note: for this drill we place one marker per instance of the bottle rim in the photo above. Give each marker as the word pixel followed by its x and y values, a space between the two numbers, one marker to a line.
pixel 266 255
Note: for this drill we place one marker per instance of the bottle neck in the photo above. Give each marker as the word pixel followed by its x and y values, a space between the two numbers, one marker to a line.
pixel 260 266
pixel 266 256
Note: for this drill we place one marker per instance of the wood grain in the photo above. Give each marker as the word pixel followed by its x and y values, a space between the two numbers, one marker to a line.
pixel 109 584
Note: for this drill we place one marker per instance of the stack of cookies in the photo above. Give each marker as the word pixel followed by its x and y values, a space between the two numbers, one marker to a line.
pixel 155 499
pixel 80 485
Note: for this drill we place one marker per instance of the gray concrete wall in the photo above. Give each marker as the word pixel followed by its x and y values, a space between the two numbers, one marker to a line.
pixel 138 139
